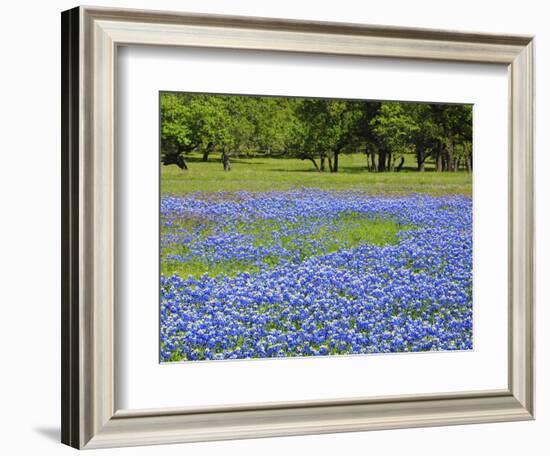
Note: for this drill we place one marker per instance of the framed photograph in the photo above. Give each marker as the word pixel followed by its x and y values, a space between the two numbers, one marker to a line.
pixel 276 227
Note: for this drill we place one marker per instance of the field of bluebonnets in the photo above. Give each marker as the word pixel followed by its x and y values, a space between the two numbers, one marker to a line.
pixel 313 226
pixel 309 271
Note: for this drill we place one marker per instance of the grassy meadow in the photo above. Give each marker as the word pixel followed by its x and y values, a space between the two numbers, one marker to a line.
pixel 266 174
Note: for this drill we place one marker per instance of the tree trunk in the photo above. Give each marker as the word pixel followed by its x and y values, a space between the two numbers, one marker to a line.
pixel 175 159
pixel 388 164
pixel 335 161
pixel 312 160
pixel 381 160
pixel 330 165
pixel 401 162
pixel 439 160
pixel 467 156
pixel 450 153
pixel 420 161
pixel 181 163
pixel 373 160
pixel 207 151
pixel 393 159
pixel 322 163
pixel 225 161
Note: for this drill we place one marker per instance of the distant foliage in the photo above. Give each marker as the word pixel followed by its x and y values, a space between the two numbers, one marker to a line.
pixel 318 130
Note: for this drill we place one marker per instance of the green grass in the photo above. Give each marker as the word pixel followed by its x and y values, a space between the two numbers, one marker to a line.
pixel 349 231
pixel 352 231
pixel 264 174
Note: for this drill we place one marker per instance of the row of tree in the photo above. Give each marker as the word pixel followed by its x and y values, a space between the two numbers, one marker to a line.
pixel 318 130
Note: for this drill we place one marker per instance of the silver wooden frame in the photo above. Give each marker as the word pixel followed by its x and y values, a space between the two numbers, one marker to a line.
pixel 90 37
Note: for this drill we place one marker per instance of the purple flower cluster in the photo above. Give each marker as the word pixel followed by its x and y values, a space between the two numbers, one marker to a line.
pixel 284 287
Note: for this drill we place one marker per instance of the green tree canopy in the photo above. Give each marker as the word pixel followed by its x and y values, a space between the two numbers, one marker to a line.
pixel 315 129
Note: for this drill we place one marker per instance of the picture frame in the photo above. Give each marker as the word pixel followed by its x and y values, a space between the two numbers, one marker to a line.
pixel 90 38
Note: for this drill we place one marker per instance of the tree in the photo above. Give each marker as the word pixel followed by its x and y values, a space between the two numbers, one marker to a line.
pixel 395 127
pixel 426 138
pixel 189 122
pixel 326 130
pixel 455 128
pixel 364 137
pixel 196 122
pixel 175 131
pixel 319 130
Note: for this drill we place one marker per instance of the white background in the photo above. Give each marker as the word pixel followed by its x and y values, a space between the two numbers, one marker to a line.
pixel 29 245
pixel 144 383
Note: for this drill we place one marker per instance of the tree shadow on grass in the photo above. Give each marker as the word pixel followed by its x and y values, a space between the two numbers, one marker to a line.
pixel 285 170
pixel 243 162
